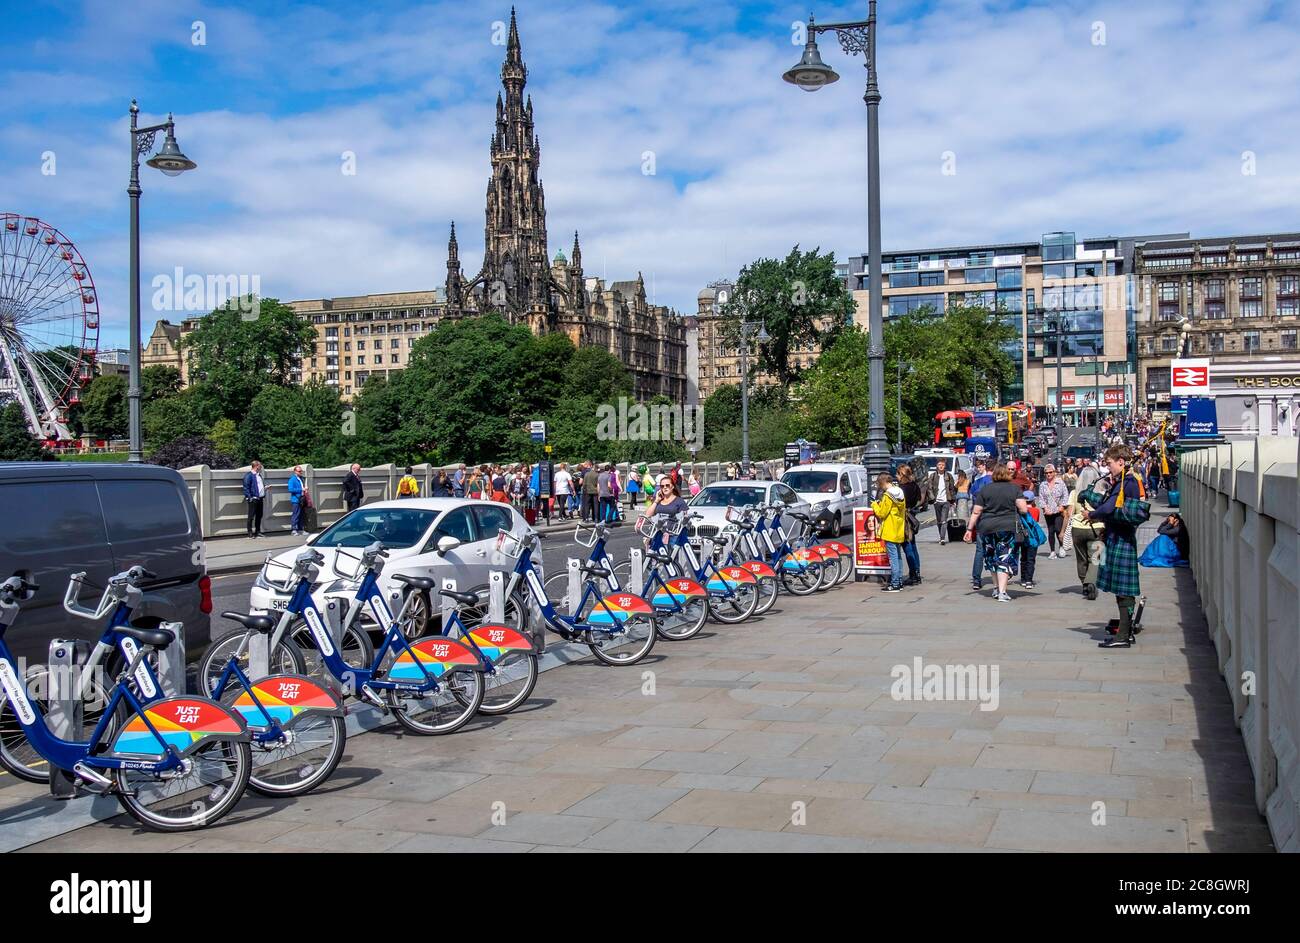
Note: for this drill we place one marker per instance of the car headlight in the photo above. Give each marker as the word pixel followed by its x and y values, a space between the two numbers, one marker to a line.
pixel 260 580
pixel 821 506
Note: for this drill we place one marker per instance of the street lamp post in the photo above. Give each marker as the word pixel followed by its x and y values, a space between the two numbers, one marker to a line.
pixel 746 327
pixel 171 162
pixel 811 74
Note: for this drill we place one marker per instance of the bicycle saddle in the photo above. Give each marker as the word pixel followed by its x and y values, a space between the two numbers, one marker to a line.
pixel 594 570
pixel 659 557
pixel 154 638
pixel 423 583
pixel 465 599
pixel 248 621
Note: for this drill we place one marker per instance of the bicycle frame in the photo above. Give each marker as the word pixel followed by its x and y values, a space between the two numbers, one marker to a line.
pixel 719 583
pixel 663 597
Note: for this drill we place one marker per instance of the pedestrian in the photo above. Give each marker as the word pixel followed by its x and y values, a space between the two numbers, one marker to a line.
pixel 961 511
pixel 458 481
pixel 732 471
pixel 891 511
pixel 1029 550
pixel 912 496
pixel 1122 511
pixel 297 492
pixel 408 486
pixel 498 484
pixel 993 520
pixel 1053 498
pixel 442 487
pixel 667 502
pixel 615 490
pixel 633 488
pixel 982 478
pixel 648 486
pixel 474 485
pixel 518 489
pixel 694 485
pixel 563 489
pixel 941 491
pixel 353 491
pixel 255 497
pixel 604 494
pixel 590 491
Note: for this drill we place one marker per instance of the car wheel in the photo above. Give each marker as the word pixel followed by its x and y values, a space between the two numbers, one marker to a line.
pixel 838 525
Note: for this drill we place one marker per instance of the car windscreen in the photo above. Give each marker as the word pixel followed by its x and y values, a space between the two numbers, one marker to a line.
pixel 398 528
pixel 721 497
pixel 811 481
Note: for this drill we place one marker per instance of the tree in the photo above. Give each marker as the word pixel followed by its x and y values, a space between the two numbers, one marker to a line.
pixel 289 425
pixel 800 301
pixel 102 412
pixel 158 381
pixel 722 410
pixel 191 450
pixel 225 436
pixel 172 417
pixel 17 444
pixel 833 400
pixel 234 358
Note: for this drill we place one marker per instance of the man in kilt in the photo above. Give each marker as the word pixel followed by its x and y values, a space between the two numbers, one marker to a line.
pixel 1122 509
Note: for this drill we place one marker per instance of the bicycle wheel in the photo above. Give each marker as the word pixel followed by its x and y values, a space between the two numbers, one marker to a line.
pixel 801 580
pixel 557 591
pixel 286 659
pixel 675 624
pixel 509 683
pixel 303 758
pixel 515 616
pixel 445 710
pixel 625 643
pixel 212 782
pixel 737 607
pixel 355 648
pixel 768 589
pixel 17 755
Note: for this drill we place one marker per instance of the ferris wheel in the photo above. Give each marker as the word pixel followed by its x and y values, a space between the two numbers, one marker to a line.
pixel 49 323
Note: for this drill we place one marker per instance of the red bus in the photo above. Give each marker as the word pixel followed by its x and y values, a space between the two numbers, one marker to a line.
pixel 951 429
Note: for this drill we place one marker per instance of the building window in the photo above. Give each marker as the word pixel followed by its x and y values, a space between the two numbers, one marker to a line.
pixel 392 358
pixel 1250 256
pixel 1250 340
pixel 394 343
pixel 1169 261
pixel 1286 255
pixel 978 275
pixel 1214 288
pixel 1167 291
pixel 1215 309
pixel 1009 278
pixel 1215 340
pixel 361 360
pixel 1168 344
pixel 1288 340
pixel 932 279
pixel 1252 288
pixel 904 280
pixel 1252 309
pixel 1214 258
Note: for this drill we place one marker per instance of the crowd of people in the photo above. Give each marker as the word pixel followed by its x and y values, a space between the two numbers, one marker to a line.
pixel 1010 510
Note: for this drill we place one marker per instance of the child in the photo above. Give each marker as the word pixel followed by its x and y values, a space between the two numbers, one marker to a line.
pixel 1028 552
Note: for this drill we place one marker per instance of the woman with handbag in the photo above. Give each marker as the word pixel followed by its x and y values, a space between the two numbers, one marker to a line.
pixel 891 510
pixel 912 495
pixel 1123 509
pixel 995 519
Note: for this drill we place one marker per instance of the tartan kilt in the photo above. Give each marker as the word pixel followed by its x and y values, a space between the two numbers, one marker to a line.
pixel 1119 574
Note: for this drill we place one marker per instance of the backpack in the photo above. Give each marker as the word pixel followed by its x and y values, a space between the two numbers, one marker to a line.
pixel 406 487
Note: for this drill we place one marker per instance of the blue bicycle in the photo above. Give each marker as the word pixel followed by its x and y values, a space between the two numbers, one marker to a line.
pixel 174 764
pixel 296 726
pixel 681 603
pixel 431 685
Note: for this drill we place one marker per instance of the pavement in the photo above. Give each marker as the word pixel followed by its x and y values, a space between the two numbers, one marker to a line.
pixel 782 734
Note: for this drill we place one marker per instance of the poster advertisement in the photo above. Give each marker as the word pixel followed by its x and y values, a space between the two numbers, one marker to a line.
pixel 869 556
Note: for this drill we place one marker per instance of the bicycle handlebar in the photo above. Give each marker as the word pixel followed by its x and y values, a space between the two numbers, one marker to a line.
pixel 16 589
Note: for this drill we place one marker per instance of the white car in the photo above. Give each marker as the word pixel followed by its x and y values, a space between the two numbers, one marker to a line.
pixel 441 538
pixel 833 490
pixel 712 503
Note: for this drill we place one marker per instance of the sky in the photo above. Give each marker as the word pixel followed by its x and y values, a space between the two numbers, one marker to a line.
pixel 668 137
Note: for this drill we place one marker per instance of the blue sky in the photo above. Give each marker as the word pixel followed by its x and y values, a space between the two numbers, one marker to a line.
pixel 1099 117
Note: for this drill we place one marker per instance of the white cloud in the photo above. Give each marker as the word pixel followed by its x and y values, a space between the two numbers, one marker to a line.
pixel 1049 131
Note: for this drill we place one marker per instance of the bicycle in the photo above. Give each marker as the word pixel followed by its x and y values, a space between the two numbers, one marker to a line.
pixel 739 535
pixel 431 686
pixel 296 726
pixel 733 590
pixel 682 603
pixel 799 568
pixel 620 628
pixel 174 764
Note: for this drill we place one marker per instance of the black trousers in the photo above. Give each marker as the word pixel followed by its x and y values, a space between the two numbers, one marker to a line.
pixel 255 516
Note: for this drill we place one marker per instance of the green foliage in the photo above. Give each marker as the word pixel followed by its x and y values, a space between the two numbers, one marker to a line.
pixel 235 358
pixel 289 425
pixel 834 405
pixel 225 436
pixel 102 411
pixel 769 431
pixel 794 298
pixel 172 417
pixel 158 381
pixel 16 443
pixel 188 451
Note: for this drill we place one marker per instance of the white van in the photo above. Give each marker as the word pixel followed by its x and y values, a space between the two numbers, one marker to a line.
pixel 956 461
pixel 832 490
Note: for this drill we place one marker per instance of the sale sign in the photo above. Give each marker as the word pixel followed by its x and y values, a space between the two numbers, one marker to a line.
pixel 869 554
pixel 1112 397
pixel 1067 398
pixel 1190 377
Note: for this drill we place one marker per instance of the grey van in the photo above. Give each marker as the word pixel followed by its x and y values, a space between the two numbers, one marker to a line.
pixel 59 518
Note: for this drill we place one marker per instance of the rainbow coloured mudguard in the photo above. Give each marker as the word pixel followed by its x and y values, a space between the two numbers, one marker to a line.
pixel 838 546
pixel 182 723
pixel 617 608
pixel 825 552
pixel 760 569
pixel 497 641
pixel 676 592
pixel 437 656
pixel 285 699
pixel 798 561
pixel 728 578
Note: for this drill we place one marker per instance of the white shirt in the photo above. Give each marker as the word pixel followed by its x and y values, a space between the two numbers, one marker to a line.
pixel 562 481
pixel 261 486
pixel 941 493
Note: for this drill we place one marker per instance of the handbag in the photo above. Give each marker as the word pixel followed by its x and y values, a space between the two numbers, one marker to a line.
pixel 1030 531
